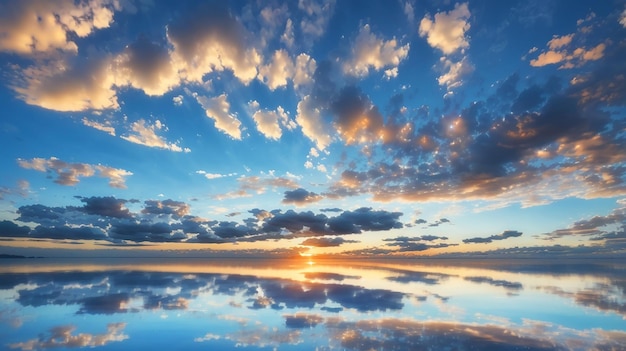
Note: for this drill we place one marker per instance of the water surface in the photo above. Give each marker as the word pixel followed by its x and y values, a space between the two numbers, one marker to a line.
pixel 305 305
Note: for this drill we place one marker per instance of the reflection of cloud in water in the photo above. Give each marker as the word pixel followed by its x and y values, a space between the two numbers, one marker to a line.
pixel 62 337
pixel 326 309
pixel 428 278
pixel 496 282
pixel 403 334
pixel 603 298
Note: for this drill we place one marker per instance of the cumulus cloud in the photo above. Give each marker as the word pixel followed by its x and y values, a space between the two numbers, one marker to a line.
pixel 13 230
pixel 145 134
pixel 446 31
pixel 309 118
pixel 357 119
pixel 28 27
pixel 218 109
pixel 173 208
pixel 504 235
pixel 269 122
pixel 315 17
pixel 300 197
pixel 107 206
pixel 147 66
pixel 369 51
pixel 209 38
pixel 73 85
pixel 277 73
pixel 305 66
pixel 69 174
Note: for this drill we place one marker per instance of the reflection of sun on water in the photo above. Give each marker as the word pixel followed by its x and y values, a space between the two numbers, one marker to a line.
pixel 308 256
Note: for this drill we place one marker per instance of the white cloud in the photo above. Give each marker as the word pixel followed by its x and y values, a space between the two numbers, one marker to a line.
pixel 454 72
pixel 116 176
pixel 105 127
pixel 447 30
pixel 547 58
pixel 269 122
pixel 559 42
pixel 569 57
pixel 287 37
pixel 177 100
pixel 70 86
pixel 409 11
pixel 218 109
pixel 146 134
pixel 391 73
pixel 30 26
pixel 310 120
pixel 622 19
pixel 314 153
pixel 210 176
pixel 316 16
pixel 276 73
pixel 271 18
pixel 371 52
pixel 69 174
pixel 305 68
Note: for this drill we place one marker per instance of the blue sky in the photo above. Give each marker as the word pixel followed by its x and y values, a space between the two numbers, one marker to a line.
pixel 312 127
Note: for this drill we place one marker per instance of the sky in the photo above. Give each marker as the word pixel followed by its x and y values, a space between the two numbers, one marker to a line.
pixel 345 128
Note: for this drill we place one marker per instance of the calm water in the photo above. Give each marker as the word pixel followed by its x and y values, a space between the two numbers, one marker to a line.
pixel 300 305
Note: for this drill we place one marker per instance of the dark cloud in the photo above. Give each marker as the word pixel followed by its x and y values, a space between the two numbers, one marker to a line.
pixel 364 218
pixel 40 214
pixel 326 242
pixel 107 206
pixel 439 222
pixel 420 221
pixel 66 232
pixel 302 320
pixel 433 237
pixel 504 235
pixel 295 222
pixel 231 230
pixel 139 232
pixel 10 229
pixel 356 118
pixel 300 197
pixel 105 304
pixel 334 209
pixel 591 226
pixel 408 244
